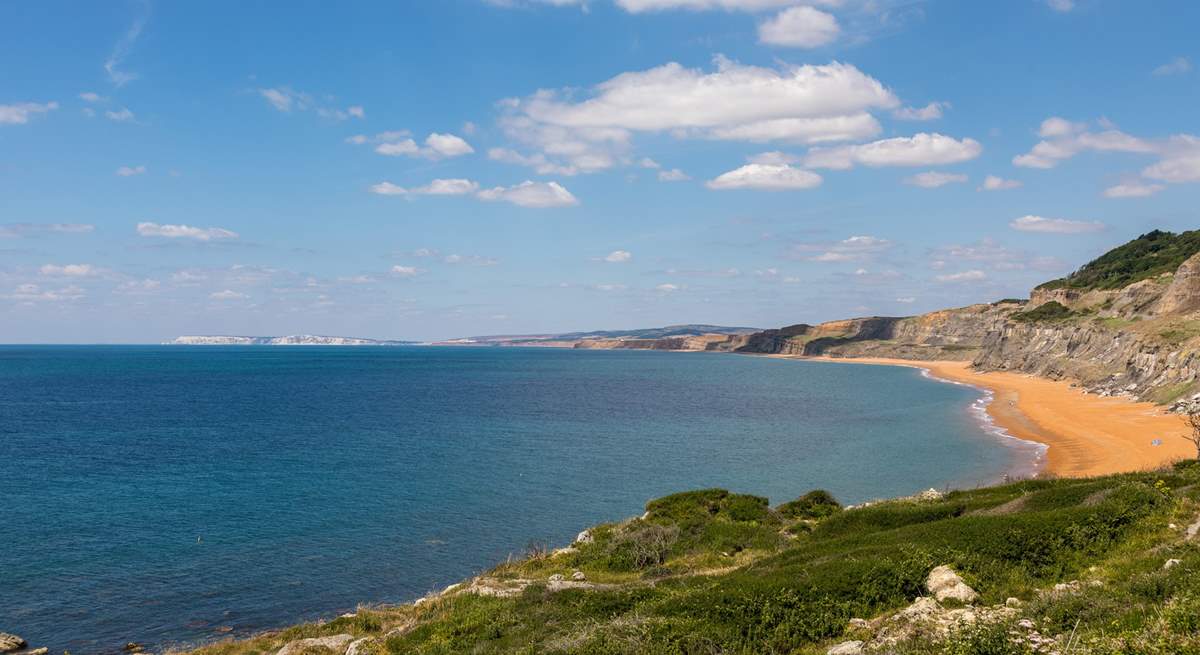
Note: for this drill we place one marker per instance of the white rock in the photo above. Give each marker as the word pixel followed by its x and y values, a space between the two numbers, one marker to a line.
pixel 930 495
pixel 578 576
pixel 846 648
pixel 357 646
pixel 1172 563
pixel 10 642
pixel 336 643
pixel 557 577
pixel 945 585
pixel 1012 602
pixel 584 537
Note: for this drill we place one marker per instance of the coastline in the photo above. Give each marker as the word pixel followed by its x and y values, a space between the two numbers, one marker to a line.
pixel 1084 434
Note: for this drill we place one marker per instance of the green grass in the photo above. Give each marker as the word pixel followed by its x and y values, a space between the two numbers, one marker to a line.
pixel 1051 311
pixel 1147 256
pixel 713 572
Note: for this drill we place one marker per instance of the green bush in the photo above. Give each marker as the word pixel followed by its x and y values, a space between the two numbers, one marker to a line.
pixel 1051 311
pixel 1149 255
pixel 816 504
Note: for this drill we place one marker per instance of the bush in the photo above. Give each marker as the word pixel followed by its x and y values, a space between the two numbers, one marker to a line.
pixel 642 546
pixel 1051 311
pixel 816 504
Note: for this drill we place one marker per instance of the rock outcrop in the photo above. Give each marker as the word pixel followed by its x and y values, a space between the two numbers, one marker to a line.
pixel 945 585
pixel 335 644
pixel 10 643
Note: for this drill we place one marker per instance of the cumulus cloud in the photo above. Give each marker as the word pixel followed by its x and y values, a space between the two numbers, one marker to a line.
pixel 996 183
pixel 399 143
pixel 69 270
pixel 130 171
pixel 147 229
pixel 618 257
pixel 800 27
pixel 964 276
pixel 122 115
pixel 1176 66
pixel 1054 225
pixel 574 132
pixel 667 288
pixel 918 150
pixel 228 294
pixel 673 175
pixel 935 179
pixel 451 187
pixel 1180 160
pixel 531 194
pixel 20 113
pixel 91 96
pixel 406 271
pixel 855 248
pixel 767 177
pixel 1063 139
pixel 929 112
pixel 1133 189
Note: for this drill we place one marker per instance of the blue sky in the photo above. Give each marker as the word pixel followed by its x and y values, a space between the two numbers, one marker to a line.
pixel 437 169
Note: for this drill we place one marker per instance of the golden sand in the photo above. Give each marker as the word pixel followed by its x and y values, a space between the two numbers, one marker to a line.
pixel 1086 434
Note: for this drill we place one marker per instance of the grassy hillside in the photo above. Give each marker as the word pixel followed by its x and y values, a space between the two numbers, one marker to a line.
pixel 1151 254
pixel 711 572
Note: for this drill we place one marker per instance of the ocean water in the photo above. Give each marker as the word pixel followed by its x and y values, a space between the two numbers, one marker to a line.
pixel 171 495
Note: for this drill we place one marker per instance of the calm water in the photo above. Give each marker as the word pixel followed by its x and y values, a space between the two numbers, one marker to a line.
pixel 161 494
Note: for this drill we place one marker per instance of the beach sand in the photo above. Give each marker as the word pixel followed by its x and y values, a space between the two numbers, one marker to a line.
pixel 1086 434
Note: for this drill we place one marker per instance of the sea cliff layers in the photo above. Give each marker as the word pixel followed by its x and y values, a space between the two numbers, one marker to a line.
pixel 1127 324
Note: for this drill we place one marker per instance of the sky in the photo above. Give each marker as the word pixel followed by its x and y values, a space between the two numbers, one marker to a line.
pixel 431 169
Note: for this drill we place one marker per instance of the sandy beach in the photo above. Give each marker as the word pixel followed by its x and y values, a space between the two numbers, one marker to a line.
pixel 1086 434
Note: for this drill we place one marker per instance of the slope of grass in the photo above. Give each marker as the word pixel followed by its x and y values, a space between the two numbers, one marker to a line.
pixel 1149 255
pixel 712 572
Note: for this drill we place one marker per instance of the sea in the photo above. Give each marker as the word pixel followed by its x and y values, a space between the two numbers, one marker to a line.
pixel 174 495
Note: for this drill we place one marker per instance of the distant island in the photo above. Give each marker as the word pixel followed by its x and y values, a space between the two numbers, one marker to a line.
pixel 680 337
pixel 291 340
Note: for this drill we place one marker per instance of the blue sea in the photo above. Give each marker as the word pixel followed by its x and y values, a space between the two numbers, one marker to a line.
pixel 174 495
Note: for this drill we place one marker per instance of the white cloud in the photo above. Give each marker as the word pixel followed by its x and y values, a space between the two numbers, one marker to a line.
pixel 121 50
pixel 397 143
pixel 575 132
pixel 1061 6
pixel 906 299
pixel 768 177
pixel 673 175
pixel 1133 189
pixel 469 260
pixel 185 232
pixel 773 158
pixel 70 270
pixel 137 287
pixel 799 27
pixel 935 179
pixel 286 99
pixel 451 187
pixel 929 112
pixel 122 115
pixel 1054 225
pixel 965 276
pixel 618 257
pixel 996 183
pixel 1176 66
pixel 1180 162
pixel 228 294
pixel 1063 139
pixel 918 150
pixel 19 230
pixel 856 248
pixel 130 171
pixel 406 271
pixel 20 113
pixel 89 96
pixel 33 293
pixel 531 194
pixel 637 6
pixel 667 288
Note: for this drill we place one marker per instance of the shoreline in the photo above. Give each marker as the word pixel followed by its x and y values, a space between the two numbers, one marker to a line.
pixel 1083 434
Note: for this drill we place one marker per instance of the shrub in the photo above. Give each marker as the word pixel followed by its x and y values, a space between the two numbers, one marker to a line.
pixel 816 504
pixel 642 546
pixel 1051 311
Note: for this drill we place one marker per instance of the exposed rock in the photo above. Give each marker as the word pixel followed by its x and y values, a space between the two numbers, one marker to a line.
pixel 1183 294
pixel 1012 602
pixel 557 577
pixel 358 647
pixel 10 642
pixel 36 651
pixel 132 647
pixel 846 648
pixel 336 643
pixel 930 496
pixel 1172 563
pixel 945 585
pixel 578 576
pixel 858 624
pixel 584 537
